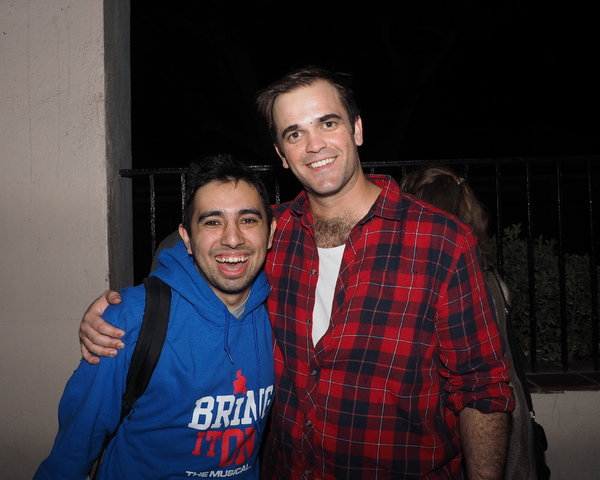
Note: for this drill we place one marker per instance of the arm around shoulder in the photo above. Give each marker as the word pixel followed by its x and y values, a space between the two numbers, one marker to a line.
pixel 97 337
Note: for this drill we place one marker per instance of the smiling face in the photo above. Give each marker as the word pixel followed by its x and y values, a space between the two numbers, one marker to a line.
pixel 229 238
pixel 316 140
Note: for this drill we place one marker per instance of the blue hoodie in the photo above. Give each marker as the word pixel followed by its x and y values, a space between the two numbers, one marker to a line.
pixel 206 406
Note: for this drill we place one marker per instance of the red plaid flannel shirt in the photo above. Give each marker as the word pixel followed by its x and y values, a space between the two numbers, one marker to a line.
pixel 412 341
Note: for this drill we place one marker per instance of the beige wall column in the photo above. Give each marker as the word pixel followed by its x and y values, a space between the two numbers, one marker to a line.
pixel 64 123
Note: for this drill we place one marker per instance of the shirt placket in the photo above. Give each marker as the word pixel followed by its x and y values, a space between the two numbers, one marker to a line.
pixel 310 405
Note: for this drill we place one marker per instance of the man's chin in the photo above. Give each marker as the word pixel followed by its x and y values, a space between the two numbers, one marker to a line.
pixel 234 286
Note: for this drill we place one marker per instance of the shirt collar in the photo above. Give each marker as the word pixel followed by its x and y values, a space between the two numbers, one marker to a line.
pixel 386 205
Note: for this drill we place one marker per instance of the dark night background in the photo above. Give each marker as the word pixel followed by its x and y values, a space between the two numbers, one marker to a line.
pixel 434 79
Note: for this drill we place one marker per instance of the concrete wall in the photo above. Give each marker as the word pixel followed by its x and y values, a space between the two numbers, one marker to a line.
pixel 572 424
pixel 59 157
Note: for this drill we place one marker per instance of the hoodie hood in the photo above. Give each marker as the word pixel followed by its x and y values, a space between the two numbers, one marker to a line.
pixel 177 269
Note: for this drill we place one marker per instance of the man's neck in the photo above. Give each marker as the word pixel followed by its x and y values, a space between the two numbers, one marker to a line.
pixel 334 218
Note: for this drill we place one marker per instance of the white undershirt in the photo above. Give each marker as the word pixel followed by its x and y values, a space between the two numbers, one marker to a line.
pixel 330 260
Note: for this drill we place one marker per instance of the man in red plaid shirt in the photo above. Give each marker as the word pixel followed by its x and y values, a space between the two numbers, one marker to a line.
pixel 388 359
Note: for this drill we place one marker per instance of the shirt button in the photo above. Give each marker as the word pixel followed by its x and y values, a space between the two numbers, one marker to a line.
pixel 314 372
pixel 308 423
pixel 313 272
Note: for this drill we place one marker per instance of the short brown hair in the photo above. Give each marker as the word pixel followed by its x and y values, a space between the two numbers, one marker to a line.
pixel 305 77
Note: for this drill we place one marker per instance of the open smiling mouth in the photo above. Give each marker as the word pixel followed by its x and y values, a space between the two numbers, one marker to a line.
pixel 232 265
pixel 322 163
pixel 232 260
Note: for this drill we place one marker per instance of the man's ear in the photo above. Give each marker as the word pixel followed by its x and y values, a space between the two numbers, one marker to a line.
pixel 272 233
pixel 281 155
pixel 358 132
pixel 186 238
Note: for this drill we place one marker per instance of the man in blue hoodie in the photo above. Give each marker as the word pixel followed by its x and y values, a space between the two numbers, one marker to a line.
pixel 206 405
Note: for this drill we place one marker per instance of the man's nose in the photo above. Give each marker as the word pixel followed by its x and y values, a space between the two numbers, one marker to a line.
pixel 315 142
pixel 232 235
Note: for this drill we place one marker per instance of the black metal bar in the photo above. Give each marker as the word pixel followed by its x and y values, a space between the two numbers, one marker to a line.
pixel 595 318
pixel 182 183
pixel 531 270
pixel 132 172
pixel 562 282
pixel 152 214
pixel 277 192
pixel 499 243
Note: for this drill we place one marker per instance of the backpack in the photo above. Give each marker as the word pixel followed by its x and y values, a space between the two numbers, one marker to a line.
pixel 515 469
pixel 146 353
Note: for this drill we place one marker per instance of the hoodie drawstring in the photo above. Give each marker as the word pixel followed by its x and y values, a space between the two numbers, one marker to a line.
pixel 256 351
pixel 226 339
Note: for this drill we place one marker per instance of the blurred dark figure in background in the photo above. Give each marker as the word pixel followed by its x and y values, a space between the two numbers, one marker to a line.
pixel 443 188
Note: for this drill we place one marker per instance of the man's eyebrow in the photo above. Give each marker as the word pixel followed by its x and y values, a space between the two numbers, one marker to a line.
pixel 220 213
pixel 323 119
pixel 210 213
pixel 329 116
pixel 289 129
pixel 250 211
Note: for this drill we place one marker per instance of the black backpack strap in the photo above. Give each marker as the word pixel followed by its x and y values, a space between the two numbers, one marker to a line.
pixel 150 341
pixel 151 338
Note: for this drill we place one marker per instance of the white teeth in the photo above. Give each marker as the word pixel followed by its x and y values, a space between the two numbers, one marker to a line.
pixel 232 260
pixel 322 163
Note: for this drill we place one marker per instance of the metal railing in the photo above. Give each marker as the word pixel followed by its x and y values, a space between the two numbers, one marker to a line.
pixel 543 217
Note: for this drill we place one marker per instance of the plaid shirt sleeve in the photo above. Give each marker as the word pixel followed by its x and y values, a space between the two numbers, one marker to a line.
pixel 412 341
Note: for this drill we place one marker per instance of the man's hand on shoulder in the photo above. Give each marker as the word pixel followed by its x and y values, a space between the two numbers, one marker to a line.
pixel 96 337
